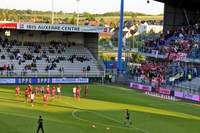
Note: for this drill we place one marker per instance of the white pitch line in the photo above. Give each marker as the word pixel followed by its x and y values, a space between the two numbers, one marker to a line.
pixel 174 104
pixel 79 108
pixel 78 118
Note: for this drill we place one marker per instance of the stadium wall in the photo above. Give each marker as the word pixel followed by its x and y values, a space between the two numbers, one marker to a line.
pixel 91 42
pixel 39 36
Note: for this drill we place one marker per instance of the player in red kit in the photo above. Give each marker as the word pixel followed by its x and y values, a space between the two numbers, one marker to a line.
pixel 86 87
pixel 53 91
pixel 17 91
pixel 48 90
pixel 45 98
pixel 26 94
pixel 78 92
pixel 42 89
pixel 30 87
pixel 36 91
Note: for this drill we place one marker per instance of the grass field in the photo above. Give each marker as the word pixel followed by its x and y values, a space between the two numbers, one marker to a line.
pixel 104 108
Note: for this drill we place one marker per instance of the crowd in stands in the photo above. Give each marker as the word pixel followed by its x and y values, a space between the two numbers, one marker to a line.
pixel 86 69
pixel 185 40
pixel 78 58
pixel 35 52
pixel 159 73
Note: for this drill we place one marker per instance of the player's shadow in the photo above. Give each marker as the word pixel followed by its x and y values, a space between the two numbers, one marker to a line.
pixel 38 103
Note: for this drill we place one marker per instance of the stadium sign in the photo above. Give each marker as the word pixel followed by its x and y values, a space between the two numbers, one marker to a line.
pixel 52 27
pixel 187 96
pixel 58 27
pixel 70 80
pixel 163 91
pixel 42 80
pixel 140 86
pixel 8 25
pixel 7 80
pixel 32 80
pixel 49 27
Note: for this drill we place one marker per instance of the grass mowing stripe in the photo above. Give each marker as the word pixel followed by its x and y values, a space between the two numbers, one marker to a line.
pixel 105 105
pixel 80 108
pixel 106 125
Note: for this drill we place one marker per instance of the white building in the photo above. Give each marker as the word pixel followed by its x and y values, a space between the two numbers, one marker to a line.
pixel 147 28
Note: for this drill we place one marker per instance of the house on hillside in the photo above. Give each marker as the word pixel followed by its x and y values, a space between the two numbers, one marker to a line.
pixel 84 22
pixel 127 32
pixel 105 35
pixel 94 23
pixel 145 27
pixel 108 23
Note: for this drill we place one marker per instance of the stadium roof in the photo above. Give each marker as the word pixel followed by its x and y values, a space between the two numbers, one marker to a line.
pixel 191 4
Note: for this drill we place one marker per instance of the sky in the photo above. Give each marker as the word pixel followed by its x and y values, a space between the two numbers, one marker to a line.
pixel 91 6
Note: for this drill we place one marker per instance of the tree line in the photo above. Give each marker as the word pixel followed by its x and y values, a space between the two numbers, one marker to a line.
pixel 60 17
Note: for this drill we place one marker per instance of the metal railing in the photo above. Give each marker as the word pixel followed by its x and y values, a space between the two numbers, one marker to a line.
pixel 189 88
pixel 29 73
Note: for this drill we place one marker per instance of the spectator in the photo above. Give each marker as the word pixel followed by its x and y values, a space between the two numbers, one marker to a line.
pixel 4 67
pixel 8 68
pixel 110 77
pixel 12 67
pixel 3 57
pixel 88 68
pixel 84 69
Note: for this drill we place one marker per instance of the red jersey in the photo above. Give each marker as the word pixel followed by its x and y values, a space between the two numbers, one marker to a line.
pixel 48 89
pixel 30 88
pixel 36 89
pixel 78 91
pixel 85 89
pixel 53 91
pixel 17 89
pixel 44 97
pixel 42 88
pixel 26 92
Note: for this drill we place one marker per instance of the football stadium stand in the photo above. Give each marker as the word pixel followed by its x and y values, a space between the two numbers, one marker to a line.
pixel 172 60
pixel 49 50
pixel 35 60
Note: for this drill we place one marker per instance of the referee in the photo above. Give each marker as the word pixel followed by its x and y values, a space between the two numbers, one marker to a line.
pixel 40 124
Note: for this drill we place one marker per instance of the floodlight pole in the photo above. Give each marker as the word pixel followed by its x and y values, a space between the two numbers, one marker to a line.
pixel 120 38
pixel 77 21
pixel 52 16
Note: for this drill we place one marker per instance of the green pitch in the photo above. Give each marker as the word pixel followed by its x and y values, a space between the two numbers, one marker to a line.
pixel 104 108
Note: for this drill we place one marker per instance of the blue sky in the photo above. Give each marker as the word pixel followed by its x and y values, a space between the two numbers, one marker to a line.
pixel 92 6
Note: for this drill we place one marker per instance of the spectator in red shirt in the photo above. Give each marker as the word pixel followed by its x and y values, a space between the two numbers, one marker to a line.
pixel 4 67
